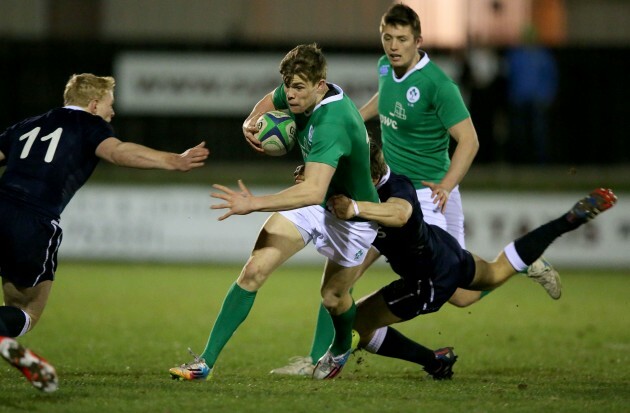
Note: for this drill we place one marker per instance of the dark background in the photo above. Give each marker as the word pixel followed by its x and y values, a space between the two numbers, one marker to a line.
pixel 588 122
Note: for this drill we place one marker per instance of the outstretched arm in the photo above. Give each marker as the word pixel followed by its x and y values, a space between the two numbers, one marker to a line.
pixel 393 213
pixel 138 156
pixel 311 191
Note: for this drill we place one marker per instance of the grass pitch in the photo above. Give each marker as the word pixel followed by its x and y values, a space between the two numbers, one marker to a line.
pixel 114 330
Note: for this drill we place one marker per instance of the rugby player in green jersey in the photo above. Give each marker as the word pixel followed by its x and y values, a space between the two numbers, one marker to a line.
pixel 335 147
pixel 420 108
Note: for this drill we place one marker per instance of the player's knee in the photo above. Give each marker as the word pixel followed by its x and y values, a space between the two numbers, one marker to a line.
pixel 331 300
pixel 253 276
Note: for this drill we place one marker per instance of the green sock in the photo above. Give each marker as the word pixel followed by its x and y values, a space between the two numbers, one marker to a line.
pixel 484 293
pixel 234 311
pixel 324 334
pixel 343 330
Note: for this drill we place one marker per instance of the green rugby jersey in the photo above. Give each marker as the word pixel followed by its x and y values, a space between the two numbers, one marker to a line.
pixel 335 134
pixel 415 113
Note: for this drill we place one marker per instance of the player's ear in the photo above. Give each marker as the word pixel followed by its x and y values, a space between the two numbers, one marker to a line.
pixel 91 107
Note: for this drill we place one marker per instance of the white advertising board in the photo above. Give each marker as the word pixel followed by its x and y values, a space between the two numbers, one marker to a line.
pixel 175 223
pixel 159 83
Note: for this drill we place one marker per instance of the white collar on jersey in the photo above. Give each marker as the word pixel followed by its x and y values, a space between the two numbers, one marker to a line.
pixel 424 60
pixel 333 98
pixel 72 107
pixel 383 179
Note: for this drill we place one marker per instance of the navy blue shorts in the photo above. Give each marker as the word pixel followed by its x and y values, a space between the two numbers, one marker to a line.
pixel 424 287
pixel 28 245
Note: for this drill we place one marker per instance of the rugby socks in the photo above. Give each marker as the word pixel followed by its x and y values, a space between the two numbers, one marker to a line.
pixel 324 334
pixel 343 324
pixel 13 321
pixel 531 246
pixel 389 342
pixel 236 306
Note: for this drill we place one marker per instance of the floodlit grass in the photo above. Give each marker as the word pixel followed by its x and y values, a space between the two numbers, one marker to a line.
pixel 114 330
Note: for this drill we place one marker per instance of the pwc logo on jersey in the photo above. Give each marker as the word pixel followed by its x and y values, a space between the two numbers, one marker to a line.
pixel 383 70
pixel 398 113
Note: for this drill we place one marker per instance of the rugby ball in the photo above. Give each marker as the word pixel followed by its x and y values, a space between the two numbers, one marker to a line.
pixel 276 132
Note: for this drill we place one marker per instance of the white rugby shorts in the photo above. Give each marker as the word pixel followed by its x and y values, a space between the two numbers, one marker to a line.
pixel 452 220
pixel 343 242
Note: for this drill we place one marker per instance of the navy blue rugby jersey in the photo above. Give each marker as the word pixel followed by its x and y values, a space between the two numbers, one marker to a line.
pixel 49 157
pixel 416 249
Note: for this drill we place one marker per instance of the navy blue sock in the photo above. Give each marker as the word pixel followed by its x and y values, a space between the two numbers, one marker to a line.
pixel 398 346
pixel 12 321
pixel 532 245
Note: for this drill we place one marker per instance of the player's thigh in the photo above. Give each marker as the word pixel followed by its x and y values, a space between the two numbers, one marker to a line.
pixel 277 241
pixel 370 258
pixel 490 275
pixel 463 298
pixel 28 246
pixel 32 300
pixel 372 314
pixel 339 279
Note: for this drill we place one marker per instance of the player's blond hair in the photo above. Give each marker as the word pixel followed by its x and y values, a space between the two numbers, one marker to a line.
pixel 81 89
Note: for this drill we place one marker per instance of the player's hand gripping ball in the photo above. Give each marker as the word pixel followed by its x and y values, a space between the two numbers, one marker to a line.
pixel 276 132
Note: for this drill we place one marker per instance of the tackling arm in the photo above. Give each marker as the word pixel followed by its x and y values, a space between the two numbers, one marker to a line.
pixel 393 213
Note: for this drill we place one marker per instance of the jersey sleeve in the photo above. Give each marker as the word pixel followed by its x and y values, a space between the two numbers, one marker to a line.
pixel 450 105
pixel 99 130
pixel 327 147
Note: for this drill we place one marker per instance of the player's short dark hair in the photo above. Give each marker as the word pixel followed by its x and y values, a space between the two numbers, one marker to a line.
pixel 306 60
pixel 402 15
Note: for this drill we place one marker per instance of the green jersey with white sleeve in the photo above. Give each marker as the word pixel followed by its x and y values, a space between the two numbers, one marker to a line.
pixel 415 114
pixel 334 134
